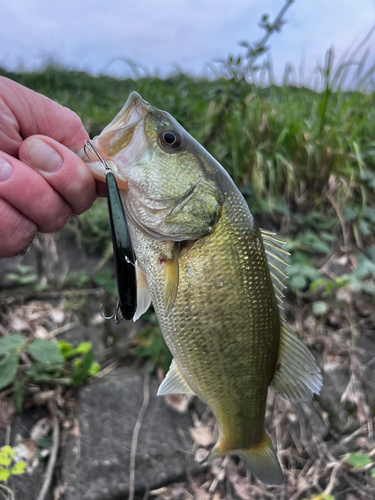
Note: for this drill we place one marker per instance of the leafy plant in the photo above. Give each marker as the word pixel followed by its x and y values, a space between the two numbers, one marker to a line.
pixel 22 277
pixel 48 361
pixel 9 467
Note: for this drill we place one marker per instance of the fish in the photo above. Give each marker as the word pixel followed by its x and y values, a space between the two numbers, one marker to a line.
pixel 214 278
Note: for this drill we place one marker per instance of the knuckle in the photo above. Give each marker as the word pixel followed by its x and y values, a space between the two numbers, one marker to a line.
pixel 16 231
pixel 56 219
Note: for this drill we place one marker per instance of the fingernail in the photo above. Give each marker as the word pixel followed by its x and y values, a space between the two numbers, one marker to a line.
pixel 41 156
pixel 6 170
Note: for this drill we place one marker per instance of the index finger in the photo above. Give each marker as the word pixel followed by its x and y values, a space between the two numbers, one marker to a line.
pixel 25 113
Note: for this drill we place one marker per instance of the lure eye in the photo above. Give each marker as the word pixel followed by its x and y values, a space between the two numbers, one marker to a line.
pixel 170 139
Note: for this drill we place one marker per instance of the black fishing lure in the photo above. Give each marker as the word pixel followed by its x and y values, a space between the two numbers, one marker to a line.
pixel 122 249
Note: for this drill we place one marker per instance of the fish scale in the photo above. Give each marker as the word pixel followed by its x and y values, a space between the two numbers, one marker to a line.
pixel 214 279
pixel 209 324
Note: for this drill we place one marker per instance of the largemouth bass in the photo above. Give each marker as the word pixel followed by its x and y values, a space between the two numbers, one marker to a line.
pixel 214 278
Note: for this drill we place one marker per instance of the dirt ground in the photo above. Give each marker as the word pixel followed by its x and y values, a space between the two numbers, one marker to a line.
pixel 320 445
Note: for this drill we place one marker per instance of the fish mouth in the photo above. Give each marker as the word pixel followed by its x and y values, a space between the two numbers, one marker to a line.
pixel 118 143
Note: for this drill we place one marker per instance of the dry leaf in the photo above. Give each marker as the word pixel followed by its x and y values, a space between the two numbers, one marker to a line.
pixel 41 332
pixel 40 429
pixel 201 454
pixel 58 492
pixel 202 435
pixel 57 315
pixel 179 402
pixel 97 319
pixel 41 397
pixel 19 325
pixel 242 489
pixel 202 494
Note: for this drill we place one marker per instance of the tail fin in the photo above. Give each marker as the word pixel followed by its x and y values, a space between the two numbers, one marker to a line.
pixel 260 459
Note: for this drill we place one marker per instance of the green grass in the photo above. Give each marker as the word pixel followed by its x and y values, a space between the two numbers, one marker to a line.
pixel 304 159
pixel 292 146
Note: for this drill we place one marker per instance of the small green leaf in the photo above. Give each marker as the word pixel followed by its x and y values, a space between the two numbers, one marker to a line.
pixel 46 351
pixel 358 460
pixel 369 288
pixel 321 496
pixel 349 214
pixel 373 473
pixel 298 282
pixel 8 368
pixel 319 307
pixel 18 469
pixel 44 442
pixel 83 348
pixel 67 350
pixel 83 368
pixel 94 369
pixel 13 341
pixel 365 228
pixel 4 474
pixel 43 372
pixel 6 455
pixel 24 269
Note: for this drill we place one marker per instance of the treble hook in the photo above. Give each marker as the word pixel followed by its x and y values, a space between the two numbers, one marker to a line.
pixel 116 316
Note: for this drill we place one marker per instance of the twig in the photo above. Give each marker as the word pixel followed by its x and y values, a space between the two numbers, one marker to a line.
pixel 63 329
pixel 332 480
pixel 6 392
pixel 272 28
pixel 137 427
pixel 52 458
pixel 361 429
pixel 7 435
pixel 8 490
pixel 108 369
pixel 341 219
pixel 57 294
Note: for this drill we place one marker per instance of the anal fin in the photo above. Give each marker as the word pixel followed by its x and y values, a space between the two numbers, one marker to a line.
pixel 143 292
pixel 297 376
pixel 174 382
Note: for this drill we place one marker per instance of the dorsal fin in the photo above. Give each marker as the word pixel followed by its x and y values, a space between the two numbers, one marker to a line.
pixel 297 376
pixel 276 258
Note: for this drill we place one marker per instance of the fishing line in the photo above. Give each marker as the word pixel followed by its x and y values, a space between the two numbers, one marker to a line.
pixel 122 248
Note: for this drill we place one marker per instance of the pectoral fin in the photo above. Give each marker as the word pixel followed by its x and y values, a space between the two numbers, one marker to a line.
pixel 297 376
pixel 143 293
pixel 174 382
pixel 171 280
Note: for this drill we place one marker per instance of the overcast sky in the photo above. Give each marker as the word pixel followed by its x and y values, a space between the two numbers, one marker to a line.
pixel 98 36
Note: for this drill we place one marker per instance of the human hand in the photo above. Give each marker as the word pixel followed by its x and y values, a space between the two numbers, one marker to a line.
pixel 42 180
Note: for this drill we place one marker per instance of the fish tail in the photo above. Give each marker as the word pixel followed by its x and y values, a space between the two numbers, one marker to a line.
pixel 260 459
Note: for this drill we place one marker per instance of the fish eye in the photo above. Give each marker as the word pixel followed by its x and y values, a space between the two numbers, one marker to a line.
pixel 170 139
